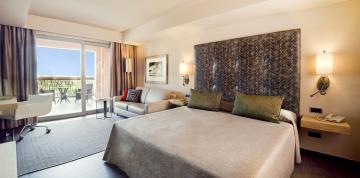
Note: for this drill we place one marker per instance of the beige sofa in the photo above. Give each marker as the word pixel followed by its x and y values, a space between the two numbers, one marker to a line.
pixel 152 100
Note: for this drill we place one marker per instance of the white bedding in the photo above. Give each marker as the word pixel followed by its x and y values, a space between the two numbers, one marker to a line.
pixel 185 142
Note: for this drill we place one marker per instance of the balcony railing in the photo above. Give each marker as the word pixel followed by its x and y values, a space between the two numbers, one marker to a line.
pixel 55 83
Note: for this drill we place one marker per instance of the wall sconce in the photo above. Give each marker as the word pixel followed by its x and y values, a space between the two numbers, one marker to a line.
pixel 129 65
pixel 324 66
pixel 186 69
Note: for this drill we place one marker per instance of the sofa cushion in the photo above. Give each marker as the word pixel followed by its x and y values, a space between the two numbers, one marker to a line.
pixel 122 105
pixel 144 92
pixel 157 94
pixel 137 108
pixel 124 95
pixel 133 95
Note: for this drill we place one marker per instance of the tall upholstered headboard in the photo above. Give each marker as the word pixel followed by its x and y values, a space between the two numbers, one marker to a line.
pixel 267 64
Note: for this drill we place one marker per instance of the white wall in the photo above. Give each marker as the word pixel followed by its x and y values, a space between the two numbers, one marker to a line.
pixel 333 28
pixel 72 29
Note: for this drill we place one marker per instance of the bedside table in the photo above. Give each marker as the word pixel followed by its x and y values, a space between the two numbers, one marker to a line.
pixel 311 122
pixel 178 102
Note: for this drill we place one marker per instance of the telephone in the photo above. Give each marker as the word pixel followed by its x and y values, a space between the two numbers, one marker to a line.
pixel 335 118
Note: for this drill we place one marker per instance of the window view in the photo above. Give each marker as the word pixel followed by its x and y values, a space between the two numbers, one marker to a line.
pixel 59 71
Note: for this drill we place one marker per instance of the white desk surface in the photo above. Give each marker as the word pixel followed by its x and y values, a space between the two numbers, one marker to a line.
pixel 7 103
pixel 8 164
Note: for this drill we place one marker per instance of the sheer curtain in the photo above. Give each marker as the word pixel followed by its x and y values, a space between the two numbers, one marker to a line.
pixel 18 76
pixel 120 79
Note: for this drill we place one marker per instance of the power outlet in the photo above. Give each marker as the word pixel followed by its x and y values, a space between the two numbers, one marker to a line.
pixel 316 110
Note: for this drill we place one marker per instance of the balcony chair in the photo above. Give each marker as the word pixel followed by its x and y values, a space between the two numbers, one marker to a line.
pixel 88 93
pixel 36 105
pixel 63 94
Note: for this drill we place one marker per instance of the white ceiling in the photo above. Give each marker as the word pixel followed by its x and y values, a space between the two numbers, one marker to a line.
pixel 14 12
pixel 258 10
pixel 140 19
pixel 245 12
pixel 117 15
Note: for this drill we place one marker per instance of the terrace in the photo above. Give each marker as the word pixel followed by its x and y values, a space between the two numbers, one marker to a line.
pixel 67 93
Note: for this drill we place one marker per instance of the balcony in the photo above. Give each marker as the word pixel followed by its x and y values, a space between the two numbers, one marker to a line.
pixel 67 93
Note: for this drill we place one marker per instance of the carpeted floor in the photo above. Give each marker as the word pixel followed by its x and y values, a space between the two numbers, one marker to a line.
pixel 69 140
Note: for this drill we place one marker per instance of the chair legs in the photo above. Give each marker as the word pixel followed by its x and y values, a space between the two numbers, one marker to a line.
pixel 32 127
pixel 7 133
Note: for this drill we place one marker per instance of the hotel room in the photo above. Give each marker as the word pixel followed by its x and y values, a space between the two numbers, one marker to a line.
pixel 181 88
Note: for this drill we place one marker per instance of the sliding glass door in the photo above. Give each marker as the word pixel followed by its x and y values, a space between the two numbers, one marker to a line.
pixel 59 73
pixel 76 73
pixel 97 74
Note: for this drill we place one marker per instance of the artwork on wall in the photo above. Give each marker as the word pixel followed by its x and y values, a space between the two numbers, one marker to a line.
pixel 156 69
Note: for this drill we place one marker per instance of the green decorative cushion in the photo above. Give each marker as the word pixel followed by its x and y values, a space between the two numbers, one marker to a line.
pixel 266 108
pixel 208 100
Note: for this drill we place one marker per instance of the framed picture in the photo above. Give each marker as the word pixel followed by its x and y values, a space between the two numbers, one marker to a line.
pixel 156 69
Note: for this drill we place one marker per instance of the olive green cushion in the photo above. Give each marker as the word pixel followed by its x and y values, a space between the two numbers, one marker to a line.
pixel 208 100
pixel 260 107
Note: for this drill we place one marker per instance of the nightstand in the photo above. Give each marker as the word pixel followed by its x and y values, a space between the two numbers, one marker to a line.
pixel 178 102
pixel 311 122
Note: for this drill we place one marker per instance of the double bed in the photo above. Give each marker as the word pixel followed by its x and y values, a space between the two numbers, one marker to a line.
pixel 186 142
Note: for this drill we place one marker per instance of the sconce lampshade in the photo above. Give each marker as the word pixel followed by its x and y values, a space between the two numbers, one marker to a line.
pixel 129 65
pixel 324 63
pixel 186 68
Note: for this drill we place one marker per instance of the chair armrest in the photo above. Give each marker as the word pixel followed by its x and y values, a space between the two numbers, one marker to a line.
pixel 117 98
pixel 157 106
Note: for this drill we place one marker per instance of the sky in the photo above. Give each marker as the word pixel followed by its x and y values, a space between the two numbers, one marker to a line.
pixel 63 62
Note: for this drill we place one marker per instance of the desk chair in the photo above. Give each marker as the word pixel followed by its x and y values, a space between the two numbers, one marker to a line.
pixel 36 105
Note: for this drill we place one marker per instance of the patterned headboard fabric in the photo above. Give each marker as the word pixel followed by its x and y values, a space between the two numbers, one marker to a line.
pixel 267 64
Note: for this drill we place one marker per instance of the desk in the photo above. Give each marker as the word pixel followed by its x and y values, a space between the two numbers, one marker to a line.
pixel 7 103
pixel 8 164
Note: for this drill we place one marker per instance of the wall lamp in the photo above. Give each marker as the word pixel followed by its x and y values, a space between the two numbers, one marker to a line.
pixel 129 65
pixel 186 69
pixel 324 66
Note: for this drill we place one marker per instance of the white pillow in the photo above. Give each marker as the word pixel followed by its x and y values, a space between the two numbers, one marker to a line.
pixel 289 115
